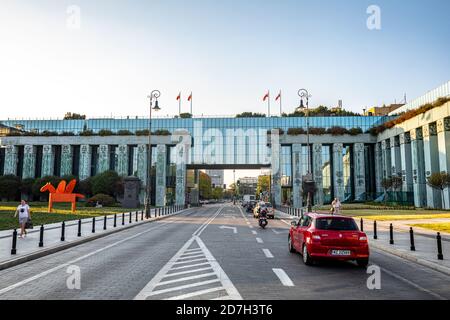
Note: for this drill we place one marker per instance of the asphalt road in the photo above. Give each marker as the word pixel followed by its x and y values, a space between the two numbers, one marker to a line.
pixel 213 252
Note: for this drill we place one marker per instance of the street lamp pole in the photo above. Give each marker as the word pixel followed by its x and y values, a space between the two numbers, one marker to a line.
pixel 155 94
pixel 304 94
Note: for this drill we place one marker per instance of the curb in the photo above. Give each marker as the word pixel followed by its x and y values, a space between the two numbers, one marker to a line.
pixel 36 255
pixel 411 258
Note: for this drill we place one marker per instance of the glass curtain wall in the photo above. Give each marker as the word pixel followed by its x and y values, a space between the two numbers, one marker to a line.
pixel 326 173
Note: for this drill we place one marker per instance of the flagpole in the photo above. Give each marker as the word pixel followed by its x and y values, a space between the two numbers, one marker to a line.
pixel 268 103
pixel 280 105
pixel 191 104
pixel 179 104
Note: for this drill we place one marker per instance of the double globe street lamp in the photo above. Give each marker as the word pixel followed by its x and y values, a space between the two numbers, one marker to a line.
pixel 154 95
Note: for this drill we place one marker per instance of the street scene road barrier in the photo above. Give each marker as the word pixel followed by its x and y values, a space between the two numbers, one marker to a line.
pixel 375 235
pixel 41 236
pixel 123 218
pixel 63 230
pixel 93 225
pixel 115 220
pixel 362 225
pixel 439 246
pixel 391 234
pixel 411 237
pixel 79 228
pixel 14 242
pixel 104 223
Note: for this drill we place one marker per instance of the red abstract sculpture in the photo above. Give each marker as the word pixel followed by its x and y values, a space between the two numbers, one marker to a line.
pixel 63 193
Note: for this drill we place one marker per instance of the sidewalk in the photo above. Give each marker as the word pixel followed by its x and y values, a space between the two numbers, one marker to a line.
pixel 28 248
pixel 425 242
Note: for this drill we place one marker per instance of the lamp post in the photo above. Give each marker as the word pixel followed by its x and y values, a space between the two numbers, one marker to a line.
pixel 304 94
pixel 155 94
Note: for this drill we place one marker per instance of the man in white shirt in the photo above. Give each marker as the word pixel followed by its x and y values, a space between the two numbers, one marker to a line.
pixel 23 210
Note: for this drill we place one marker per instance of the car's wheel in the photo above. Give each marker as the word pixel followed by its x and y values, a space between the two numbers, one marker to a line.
pixel 306 257
pixel 362 263
pixel 291 247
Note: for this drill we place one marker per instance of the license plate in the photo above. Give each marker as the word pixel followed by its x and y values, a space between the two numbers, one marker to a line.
pixel 340 252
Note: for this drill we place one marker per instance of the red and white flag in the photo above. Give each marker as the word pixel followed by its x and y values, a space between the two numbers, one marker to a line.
pixel 179 96
pixel 190 97
pixel 266 96
pixel 278 96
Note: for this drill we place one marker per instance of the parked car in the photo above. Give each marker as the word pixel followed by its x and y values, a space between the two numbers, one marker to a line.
pixel 318 236
pixel 270 210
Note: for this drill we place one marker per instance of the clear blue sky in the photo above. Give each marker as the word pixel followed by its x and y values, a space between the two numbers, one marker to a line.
pixel 227 52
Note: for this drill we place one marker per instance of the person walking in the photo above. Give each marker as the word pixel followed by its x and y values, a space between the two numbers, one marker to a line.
pixel 23 210
pixel 336 206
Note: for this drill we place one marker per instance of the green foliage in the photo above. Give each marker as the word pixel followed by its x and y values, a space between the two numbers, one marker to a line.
pixel 337 131
pixel 124 133
pixel 263 184
pixel 105 133
pixel 85 187
pixel 205 189
pixel 185 115
pixel 317 131
pixel 86 133
pixel 296 131
pixel 250 115
pixel 355 131
pixel 144 132
pixel 217 193
pixel 9 187
pixel 321 111
pixel 103 199
pixel 439 181
pixel 161 132
pixel 74 116
pixel 67 133
pixel 106 183
pixel 26 187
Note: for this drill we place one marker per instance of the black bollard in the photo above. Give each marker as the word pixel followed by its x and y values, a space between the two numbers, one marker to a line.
pixel 79 228
pixel 14 242
pixel 41 236
pixel 123 218
pixel 142 215
pixel 115 220
pixel 362 225
pixel 375 235
pixel 93 225
pixel 104 222
pixel 137 216
pixel 63 231
pixel 391 234
pixel 129 218
pixel 159 212
pixel 439 246
pixel 411 238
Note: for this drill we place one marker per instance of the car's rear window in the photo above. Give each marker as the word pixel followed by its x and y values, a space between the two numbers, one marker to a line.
pixel 343 224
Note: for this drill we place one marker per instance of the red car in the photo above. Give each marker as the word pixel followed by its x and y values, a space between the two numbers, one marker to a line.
pixel 318 236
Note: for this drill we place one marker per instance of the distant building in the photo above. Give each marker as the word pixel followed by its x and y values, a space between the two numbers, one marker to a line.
pixel 384 110
pixel 7 130
pixel 248 185
pixel 217 177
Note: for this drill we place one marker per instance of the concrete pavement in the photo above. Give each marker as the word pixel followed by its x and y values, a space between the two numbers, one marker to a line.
pixel 192 256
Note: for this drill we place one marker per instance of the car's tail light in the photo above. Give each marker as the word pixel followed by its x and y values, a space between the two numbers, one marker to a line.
pixel 362 238
pixel 316 237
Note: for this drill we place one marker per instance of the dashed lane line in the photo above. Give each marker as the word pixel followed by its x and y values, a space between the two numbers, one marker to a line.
pixel 267 253
pixel 284 278
pixel 259 240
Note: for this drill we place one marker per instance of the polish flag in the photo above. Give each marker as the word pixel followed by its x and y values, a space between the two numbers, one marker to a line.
pixel 266 96
pixel 278 96
pixel 179 96
pixel 190 97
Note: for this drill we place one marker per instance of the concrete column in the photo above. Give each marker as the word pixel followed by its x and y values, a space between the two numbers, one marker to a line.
pixel 48 160
pixel 66 160
pixel 276 172
pixel 386 154
pixel 103 158
pixel 84 170
pixel 11 160
pixel 182 139
pixel 29 161
pixel 338 171
pixel 122 160
pixel 406 161
pixel 443 136
pixel 396 161
pixel 431 157
pixel 378 167
pixel 359 171
pixel 318 174
pixel 141 168
pixel 161 161
pixel 418 168
pixel 297 176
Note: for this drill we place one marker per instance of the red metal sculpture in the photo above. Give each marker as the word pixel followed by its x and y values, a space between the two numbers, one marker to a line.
pixel 63 193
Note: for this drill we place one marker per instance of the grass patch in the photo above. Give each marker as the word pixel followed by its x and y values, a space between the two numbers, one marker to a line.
pixel 61 212
pixel 441 227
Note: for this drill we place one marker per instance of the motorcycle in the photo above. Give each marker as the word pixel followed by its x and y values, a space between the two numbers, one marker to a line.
pixel 263 219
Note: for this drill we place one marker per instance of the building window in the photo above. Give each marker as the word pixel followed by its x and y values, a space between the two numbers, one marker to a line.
pixel 347 162
pixel 326 173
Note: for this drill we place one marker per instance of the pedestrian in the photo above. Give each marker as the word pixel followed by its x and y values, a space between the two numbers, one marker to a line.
pixel 24 212
pixel 336 206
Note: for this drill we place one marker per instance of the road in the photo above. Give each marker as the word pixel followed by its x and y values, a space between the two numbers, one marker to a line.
pixel 213 252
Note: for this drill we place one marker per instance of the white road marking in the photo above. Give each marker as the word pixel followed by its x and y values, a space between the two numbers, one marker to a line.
pixel 254 232
pixel 259 240
pixel 288 223
pixel 231 228
pixel 187 272
pixel 195 293
pixel 203 275
pixel 275 231
pixel 186 286
pixel 74 261
pixel 189 261
pixel 193 250
pixel 267 253
pixel 284 278
pixel 190 266
pixel 190 257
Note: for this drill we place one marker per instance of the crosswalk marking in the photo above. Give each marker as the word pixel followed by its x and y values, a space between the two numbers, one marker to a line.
pixel 211 280
pixel 284 278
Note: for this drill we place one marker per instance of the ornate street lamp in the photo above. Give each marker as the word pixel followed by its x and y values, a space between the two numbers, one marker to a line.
pixel 154 95
pixel 308 181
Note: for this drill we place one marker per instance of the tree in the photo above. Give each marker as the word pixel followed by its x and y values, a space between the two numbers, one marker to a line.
pixel 26 188
pixel 9 187
pixel 439 181
pixel 217 193
pixel 397 182
pixel 107 182
pixel 263 184
pixel 205 189
pixel 386 184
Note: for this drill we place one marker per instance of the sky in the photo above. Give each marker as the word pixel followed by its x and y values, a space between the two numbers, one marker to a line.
pixel 106 60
